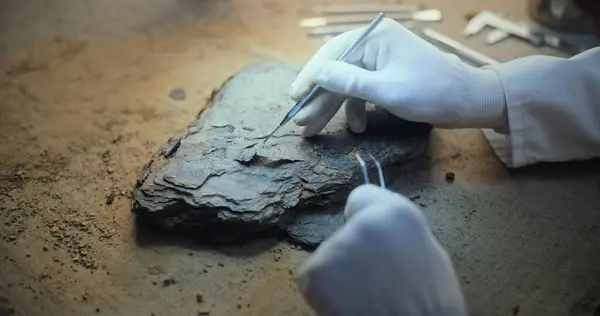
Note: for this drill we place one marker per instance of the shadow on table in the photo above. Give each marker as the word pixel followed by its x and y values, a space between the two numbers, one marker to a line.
pixel 148 235
pixel 560 170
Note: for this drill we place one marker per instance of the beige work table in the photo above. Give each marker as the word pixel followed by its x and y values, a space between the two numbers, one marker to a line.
pixel 84 103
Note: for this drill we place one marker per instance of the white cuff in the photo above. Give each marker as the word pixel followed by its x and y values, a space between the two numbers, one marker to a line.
pixel 552 109
pixel 507 140
pixel 486 96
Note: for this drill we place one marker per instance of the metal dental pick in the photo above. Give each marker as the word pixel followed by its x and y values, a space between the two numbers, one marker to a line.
pixel 361 38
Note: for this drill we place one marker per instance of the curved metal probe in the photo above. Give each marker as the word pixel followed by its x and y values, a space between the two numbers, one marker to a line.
pixel 365 172
pixel 364 167
pixel 379 171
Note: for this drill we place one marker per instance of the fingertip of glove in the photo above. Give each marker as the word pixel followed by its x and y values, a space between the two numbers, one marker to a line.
pixel 356 117
pixel 310 131
pixel 357 126
pixel 322 76
pixel 367 195
pixel 301 118
pixel 307 132
pixel 300 87
pixel 361 197
pixel 363 191
pixel 296 92
pixel 300 122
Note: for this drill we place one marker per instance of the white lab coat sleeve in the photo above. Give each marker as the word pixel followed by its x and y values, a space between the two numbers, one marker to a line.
pixel 553 108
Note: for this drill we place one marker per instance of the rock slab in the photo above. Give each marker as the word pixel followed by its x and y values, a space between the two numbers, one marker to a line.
pixel 218 180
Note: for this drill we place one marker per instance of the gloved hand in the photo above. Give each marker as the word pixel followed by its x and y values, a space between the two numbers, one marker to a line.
pixel 403 73
pixel 384 261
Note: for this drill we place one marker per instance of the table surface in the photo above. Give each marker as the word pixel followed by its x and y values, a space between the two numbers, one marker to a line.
pixel 85 101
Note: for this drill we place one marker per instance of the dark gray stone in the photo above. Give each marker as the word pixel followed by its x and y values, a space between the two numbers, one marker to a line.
pixel 218 180
pixel 177 94
pixel 310 228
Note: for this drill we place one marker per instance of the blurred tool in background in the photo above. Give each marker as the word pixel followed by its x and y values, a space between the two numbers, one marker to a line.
pixel 431 15
pixel 372 8
pixel 503 28
pixel 561 16
pixel 415 18
pixel 565 25
pixel 592 9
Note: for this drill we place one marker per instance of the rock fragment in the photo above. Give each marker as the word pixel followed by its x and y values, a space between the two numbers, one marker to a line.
pixel 177 94
pixel 219 181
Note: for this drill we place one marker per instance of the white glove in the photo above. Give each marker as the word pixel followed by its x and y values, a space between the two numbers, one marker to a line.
pixel 403 73
pixel 384 261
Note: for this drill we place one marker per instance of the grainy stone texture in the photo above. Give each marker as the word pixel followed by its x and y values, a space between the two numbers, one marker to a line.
pixel 219 180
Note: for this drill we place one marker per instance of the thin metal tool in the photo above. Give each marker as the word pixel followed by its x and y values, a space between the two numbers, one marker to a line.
pixel 364 8
pixel 365 170
pixel 431 15
pixel 504 28
pixel 449 45
pixel 361 38
pixel 485 19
